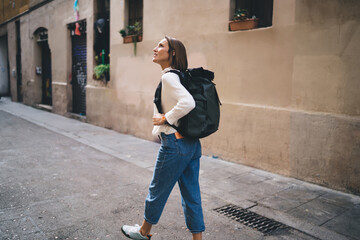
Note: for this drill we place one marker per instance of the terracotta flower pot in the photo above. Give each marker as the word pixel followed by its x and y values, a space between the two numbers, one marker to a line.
pixel 130 38
pixel 243 24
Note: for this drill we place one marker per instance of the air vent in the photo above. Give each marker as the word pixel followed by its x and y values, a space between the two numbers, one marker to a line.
pixel 250 219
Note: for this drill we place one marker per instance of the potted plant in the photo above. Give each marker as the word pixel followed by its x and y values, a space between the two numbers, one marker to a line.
pixel 241 21
pixel 132 33
pixel 102 71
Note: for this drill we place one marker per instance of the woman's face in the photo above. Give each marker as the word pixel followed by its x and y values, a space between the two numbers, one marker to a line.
pixel 161 54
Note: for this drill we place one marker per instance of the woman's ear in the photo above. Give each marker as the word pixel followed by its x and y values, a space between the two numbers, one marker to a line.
pixel 173 52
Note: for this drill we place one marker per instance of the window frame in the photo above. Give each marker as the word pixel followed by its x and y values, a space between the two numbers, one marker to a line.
pixel 261 11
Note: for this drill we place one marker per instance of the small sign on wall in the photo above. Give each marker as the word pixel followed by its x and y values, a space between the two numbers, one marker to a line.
pixel 38 70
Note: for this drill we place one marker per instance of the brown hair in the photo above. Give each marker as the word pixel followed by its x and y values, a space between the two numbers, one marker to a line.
pixel 179 60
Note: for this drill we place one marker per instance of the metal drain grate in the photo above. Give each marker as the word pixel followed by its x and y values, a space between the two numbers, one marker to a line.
pixel 250 219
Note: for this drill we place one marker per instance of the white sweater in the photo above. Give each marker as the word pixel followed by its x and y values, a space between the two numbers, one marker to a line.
pixel 176 102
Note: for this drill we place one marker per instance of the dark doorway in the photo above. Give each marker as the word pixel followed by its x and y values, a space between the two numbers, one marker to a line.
pixel 4 67
pixel 42 40
pixel 18 63
pixel 46 74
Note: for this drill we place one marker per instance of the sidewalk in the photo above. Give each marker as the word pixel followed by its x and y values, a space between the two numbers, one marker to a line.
pixel 315 211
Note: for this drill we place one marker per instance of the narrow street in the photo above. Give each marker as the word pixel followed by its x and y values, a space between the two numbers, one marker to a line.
pixel 64 179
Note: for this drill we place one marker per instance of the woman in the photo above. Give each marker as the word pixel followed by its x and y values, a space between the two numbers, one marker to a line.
pixel 178 158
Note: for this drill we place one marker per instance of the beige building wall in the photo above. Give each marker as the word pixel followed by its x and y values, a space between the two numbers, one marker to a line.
pixel 290 92
pixel 325 140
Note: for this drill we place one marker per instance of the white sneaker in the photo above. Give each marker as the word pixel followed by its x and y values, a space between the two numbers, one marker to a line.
pixel 133 232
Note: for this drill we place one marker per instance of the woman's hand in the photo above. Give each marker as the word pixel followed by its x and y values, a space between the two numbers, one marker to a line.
pixel 159 119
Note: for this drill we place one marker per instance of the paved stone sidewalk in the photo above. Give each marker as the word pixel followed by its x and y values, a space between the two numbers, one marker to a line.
pixel 312 211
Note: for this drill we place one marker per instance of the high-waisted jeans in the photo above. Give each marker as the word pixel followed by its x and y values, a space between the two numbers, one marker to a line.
pixel 178 161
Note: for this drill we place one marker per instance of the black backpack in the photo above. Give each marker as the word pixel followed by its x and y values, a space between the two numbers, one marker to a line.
pixel 204 119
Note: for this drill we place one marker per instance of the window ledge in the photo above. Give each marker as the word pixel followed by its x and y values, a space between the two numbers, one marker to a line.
pixel 131 38
pixel 246 24
pixel 251 29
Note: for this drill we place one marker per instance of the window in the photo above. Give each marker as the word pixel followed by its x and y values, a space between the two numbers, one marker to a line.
pixel 132 31
pixel 101 31
pixel 102 40
pixel 135 11
pixel 261 10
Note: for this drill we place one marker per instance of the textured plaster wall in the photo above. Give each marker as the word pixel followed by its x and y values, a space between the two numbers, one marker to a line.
pixel 325 140
pixel 326 72
pixel 325 149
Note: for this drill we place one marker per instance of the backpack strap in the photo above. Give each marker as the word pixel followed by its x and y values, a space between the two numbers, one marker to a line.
pixel 157 98
pixel 182 77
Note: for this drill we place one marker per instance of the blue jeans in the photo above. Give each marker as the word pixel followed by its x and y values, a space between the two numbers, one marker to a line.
pixel 178 161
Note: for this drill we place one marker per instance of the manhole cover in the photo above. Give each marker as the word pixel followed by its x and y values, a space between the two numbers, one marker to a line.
pixel 250 219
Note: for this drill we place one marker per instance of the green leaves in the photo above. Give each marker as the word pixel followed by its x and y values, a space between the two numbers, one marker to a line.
pixel 101 69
